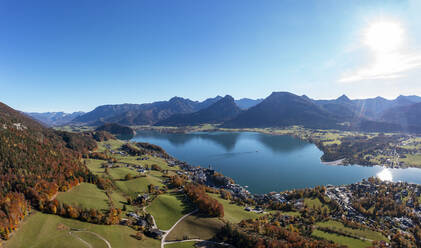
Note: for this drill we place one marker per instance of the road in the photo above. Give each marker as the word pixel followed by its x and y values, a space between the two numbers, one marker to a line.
pixel 163 243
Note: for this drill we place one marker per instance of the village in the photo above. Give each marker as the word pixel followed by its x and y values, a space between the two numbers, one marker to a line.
pixel 347 198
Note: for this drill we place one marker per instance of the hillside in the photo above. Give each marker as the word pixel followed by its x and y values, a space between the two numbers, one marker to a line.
pixel 408 117
pixel 142 114
pixel 223 110
pixel 34 164
pixel 102 113
pixel 120 131
pixel 283 109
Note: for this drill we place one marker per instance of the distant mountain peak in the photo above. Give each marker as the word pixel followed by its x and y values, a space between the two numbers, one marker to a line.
pixel 218 112
pixel 228 97
pixel 380 98
pixel 343 98
pixel 177 98
pixel 246 103
pixel 306 97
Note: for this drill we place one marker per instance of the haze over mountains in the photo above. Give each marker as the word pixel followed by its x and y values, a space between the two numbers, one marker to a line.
pixel 277 110
pixel 55 118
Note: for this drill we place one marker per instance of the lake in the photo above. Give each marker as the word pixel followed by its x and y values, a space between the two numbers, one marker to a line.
pixel 265 162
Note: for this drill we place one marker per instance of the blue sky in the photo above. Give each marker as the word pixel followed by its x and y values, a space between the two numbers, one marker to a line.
pixel 76 55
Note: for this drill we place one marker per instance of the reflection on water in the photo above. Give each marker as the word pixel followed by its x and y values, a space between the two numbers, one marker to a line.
pixel 228 140
pixel 282 143
pixel 385 175
pixel 230 154
pixel 267 162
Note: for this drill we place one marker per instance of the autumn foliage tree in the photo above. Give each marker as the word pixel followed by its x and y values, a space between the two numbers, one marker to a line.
pixel 35 163
pixel 205 203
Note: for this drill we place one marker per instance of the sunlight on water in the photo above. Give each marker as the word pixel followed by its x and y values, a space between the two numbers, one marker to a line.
pixel 385 175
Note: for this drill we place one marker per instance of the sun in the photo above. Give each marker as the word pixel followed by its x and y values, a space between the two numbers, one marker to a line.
pixel 384 36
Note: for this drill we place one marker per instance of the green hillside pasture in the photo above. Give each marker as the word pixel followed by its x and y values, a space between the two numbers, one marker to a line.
pixel 342 240
pixel 94 165
pixel 44 230
pixel 234 213
pixel 85 195
pixel 152 160
pixel 121 172
pixel 167 209
pixel 115 144
pixel 138 185
pixel 365 233
pixel 195 227
pixel 119 201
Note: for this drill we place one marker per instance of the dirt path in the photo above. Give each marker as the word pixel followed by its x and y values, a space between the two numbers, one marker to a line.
pixel 81 240
pixel 163 243
pixel 86 243
pixel 198 240
pixel 153 219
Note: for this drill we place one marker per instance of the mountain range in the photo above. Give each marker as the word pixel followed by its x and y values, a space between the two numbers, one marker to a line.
pixel 277 110
pixel 223 110
pixel 55 118
pixel 284 109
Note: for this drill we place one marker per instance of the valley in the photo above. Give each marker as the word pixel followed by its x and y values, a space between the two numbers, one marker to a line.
pixel 277 182
pixel 210 124
pixel 143 188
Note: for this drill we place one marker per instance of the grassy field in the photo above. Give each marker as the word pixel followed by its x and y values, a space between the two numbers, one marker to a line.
pixel 119 201
pixel 94 165
pixel 412 160
pixel 85 195
pixel 195 227
pixel 342 240
pixel 138 185
pixel 290 213
pixel 167 209
pixel 121 172
pixel 74 129
pixel 187 244
pixel 234 213
pixel 315 203
pixel 152 160
pixel 115 144
pixel 366 233
pixel 43 230
pixel 91 238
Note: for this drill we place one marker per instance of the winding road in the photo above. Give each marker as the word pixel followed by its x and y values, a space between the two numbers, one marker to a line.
pixel 163 243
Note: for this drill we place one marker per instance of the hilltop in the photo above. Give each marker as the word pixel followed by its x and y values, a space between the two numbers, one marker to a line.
pixel 283 109
pixel 223 110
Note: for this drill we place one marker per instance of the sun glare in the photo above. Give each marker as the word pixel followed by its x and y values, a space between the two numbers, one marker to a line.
pixel 385 175
pixel 384 36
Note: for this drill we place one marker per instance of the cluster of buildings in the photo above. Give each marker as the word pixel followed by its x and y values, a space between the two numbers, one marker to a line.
pixel 138 168
pixel 237 190
pixel 343 196
pixel 122 153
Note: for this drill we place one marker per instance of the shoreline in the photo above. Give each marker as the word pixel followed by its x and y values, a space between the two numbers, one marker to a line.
pixel 336 162
pixel 266 131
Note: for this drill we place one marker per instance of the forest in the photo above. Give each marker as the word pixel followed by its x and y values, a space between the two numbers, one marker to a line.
pixel 35 164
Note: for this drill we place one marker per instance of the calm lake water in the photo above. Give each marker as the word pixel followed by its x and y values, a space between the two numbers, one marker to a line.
pixel 266 162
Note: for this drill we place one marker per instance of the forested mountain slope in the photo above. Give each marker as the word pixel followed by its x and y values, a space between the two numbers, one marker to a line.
pixel 35 163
